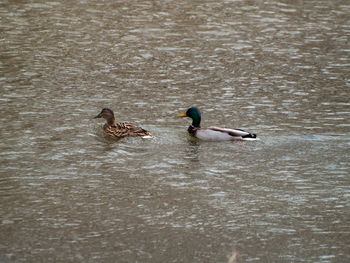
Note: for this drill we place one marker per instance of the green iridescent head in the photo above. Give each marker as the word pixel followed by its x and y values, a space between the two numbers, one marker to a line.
pixel 194 114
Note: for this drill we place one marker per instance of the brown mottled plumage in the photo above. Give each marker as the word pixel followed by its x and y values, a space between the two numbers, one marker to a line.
pixel 120 129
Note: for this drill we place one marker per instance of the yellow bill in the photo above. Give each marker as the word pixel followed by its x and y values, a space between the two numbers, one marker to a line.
pixel 182 115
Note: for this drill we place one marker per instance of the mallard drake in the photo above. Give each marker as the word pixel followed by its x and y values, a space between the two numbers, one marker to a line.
pixel 213 133
pixel 121 129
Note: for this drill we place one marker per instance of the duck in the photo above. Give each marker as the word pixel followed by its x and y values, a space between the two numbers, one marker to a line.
pixel 120 130
pixel 213 133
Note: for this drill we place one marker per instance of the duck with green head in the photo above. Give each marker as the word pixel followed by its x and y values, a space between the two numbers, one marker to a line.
pixel 213 133
pixel 119 130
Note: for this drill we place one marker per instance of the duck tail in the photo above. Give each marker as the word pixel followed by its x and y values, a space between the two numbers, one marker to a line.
pixel 148 136
pixel 250 135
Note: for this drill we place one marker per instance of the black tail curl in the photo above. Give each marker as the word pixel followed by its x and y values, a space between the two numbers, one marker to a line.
pixel 250 135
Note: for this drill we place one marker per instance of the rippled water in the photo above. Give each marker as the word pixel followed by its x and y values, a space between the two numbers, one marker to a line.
pixel 280 69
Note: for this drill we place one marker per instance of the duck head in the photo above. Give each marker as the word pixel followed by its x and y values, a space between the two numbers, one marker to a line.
pixel 108 115
pixel 194 114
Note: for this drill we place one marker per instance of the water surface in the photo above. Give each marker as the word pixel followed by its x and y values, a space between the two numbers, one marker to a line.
pixel 280 69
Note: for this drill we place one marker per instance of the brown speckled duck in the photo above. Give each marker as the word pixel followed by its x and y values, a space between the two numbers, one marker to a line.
pixel 121 129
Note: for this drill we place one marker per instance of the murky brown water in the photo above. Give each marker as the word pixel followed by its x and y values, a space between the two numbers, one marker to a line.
pixel 277 68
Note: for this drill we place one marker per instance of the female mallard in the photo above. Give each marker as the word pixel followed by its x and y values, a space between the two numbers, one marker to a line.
pixel 120 129
pixel 213 133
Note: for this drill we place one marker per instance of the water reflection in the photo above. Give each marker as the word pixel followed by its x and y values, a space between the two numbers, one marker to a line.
pixel 68 193
pixel 192 151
